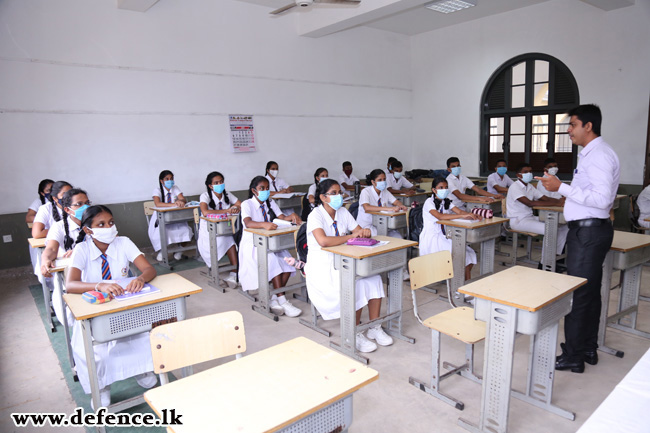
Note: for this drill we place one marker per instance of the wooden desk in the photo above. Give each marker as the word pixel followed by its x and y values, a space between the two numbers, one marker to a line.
pixel 628 253
pixel 30 225
pixel 552 217
pixel 171 215
pixel 617 201
pixel 495 205
pixel 217 228
pixel 461 233
pixel 407 200
pixel 527 301
pixel 290 203
pixel 355 261
pixel 386 220
pixel 267 241
pixel 236 396
pixel 135 316
pixel 39 243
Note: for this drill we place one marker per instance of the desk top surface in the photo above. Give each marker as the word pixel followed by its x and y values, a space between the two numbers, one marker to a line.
pixel 550 208
pixel 235 397
pixel 415 194
pixel 471 225
pixel 36 242
pixel 61 264
pixel 479 199
pixel 30 225
pixel 171 286
pixel 626 241
pixel 523 288
pixel 357 252
pixel 230 219
pixel 172 209
pixel 387 213
pixel 277 232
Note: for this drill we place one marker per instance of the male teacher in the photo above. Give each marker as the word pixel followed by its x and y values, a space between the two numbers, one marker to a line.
pixel 589 198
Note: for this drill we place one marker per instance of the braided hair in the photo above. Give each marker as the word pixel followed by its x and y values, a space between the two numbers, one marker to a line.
pixel 89 216
pixel 208 185
pixel 436 200
pixel 161 176
pixel 254 184
pixel 322 188
pixel 56 189
pixel 318 173
pixel 66 202
pixel 41 189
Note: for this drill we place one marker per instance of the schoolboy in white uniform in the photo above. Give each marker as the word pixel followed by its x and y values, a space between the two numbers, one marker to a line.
pixel 499 182
pixel 459 183
pixel 550 167
pixel 396 182
pixel 347 179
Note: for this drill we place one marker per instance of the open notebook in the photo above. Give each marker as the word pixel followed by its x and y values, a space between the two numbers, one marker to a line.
pixel 148 289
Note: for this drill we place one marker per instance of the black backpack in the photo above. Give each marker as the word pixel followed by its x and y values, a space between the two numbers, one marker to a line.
pixel 240 230
pixel 301 243
pixel 306 208
pixel 416 223
pixel 354 209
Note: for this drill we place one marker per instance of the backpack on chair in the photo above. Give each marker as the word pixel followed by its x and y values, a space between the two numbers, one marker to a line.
pixel 416 222
pixel 354 209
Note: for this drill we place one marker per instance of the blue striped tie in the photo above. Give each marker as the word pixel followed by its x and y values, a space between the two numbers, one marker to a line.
pixel 336 229
pixel 106 270
pixel 169 197
pixel 379 202
pixel 266 218
pixel 220 206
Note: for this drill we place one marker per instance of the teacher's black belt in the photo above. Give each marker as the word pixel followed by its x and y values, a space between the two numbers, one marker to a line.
pixel 588 222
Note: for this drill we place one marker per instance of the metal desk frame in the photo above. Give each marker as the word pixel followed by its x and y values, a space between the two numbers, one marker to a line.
pixel 47 296
pixel 218 228
pixel 169 216
pixel 552 217
pixel 388 221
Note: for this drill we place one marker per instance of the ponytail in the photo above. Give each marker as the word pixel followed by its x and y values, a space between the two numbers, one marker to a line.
pixel 66 202
pixel 41 188
pixel 56 189
pixel 211 204
pixel 67 241
pixel 318 173
pixel 438 180
pixel 272 214
pixel 208 185
pixel 161 176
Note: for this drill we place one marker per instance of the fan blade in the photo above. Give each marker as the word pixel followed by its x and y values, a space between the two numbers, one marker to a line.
pixel 349 2
pixel 283 9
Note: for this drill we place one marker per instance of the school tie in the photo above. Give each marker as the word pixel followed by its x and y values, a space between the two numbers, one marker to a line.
pixel 336 229
pixel 220 206
pixel 106 270
pixel 379 202
pixel 169 197
pixel 274 187
pixel 266 218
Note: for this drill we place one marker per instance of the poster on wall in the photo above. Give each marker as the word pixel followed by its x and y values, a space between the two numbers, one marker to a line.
pixel 242 134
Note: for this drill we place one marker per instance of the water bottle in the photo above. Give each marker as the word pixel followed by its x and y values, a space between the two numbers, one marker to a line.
pixel 357 190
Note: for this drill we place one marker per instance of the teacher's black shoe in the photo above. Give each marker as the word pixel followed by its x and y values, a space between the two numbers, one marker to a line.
pixel 591 357
pixel 564 362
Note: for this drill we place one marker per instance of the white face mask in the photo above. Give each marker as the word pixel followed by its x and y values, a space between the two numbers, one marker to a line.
pixel 104 235
pixel 552 171
pixel 273 173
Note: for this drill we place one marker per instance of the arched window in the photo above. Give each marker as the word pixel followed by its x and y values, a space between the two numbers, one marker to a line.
pixel 523 114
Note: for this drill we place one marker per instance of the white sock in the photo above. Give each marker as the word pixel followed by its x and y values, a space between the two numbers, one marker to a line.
pixel 274 297
pixel 281 299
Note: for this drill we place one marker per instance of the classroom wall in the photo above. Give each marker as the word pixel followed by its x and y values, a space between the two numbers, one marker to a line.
pixel 606 51
pixel 106 98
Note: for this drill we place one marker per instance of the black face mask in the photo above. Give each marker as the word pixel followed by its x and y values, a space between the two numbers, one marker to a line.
pixel 47 196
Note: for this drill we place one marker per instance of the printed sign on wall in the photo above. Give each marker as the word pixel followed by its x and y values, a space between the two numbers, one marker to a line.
pixel 242 134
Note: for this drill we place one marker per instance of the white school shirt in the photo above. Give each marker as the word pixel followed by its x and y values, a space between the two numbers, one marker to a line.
pixel 44 215
pixel 280 184
pixel 400 183
pixel 57 233
pixel 175 192
pixel 370 196
pixel 252 208
pixel 595 182
pixel 643 201
pixel 312 190
pixel 515 208
pixel 461 184
pixel 320 219
pixel 120 253
pixel 206 199
pixel 547 193
pixel 343 178
pixel 35 205
pixel 495 179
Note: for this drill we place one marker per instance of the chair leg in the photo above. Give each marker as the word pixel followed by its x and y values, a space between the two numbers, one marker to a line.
pixel 529 248
pixel 313 323
pixel 514 249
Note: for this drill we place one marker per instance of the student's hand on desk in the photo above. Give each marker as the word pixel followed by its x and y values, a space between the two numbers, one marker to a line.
pixel 179 203
pixel 499 197
pixel 486 199
pixel 295 219
pixel 67 254
pixel 45 268
pixel 135 285
pixel 409 193
pixel 473 216
pixel 365 233
pixel 269 226
pixel 112 289
pixel 233 210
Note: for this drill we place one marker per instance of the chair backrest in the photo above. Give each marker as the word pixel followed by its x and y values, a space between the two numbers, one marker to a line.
pixel 197 213
pixel 148 209
pixel 430 269
pixel 426 185
pixel 188 342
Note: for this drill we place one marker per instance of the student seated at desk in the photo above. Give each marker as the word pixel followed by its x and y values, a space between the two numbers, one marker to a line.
pixel 519 204
pixel 258 212
pixel 550 167
pixel 433 237
pixel 377 199
pixel 643 201
pixel 499 182
pixel 100 257
pixel 320 174
pixel 459 183
pixel 50 212
pixel 277 185
pixel 167 194
pixel 216 200
pixel 396 183
pixel 44 189
pixel 329 225
pixel 347 179
pixel 389 165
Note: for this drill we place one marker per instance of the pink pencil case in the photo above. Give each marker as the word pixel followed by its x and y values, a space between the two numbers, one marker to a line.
pixel 485 213
pixel 218 216
pixel 363 242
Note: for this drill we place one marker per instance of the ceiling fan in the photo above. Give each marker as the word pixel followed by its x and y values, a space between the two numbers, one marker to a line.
pixel 307 3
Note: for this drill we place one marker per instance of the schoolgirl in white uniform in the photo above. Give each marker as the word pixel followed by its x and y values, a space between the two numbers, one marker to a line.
pixel 276 184
pixel 329 225
pixel 97 260
pixel 61 239
pixel 320 175
pixel 168 195
pixel 44 190
pixel 433 237
pixel 377 199
pixel 258 212
pixel 50 212
pixel 216 200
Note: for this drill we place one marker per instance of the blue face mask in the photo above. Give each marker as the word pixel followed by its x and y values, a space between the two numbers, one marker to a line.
pixel 397 174
pixel 526 177
pixel 79 213
pixel 502 170
pixel 442 193
pixel 336 201
pixel 263 195
pixel 381 185
pixel 219 188
pixel 456 171
pixel 169 184
pixel 47 196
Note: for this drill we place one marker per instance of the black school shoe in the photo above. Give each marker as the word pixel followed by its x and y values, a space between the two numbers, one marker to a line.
pixel 565 362
pixel 591 357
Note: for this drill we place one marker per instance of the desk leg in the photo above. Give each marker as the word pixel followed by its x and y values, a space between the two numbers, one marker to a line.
pixel 348 318
pixel 487 257
pixel 92 367
pixel 395 289
pixel 382 225
pixel 163 240
pixel 629 302
pixel 458 253
pixel 550 241
pixel 58 279
pixel 262 246
pixel 47 296
pixel 608 270
pixel 541 370
pixel 213 272
pixel 497 370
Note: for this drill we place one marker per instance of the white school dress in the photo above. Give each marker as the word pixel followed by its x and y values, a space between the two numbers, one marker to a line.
pixel 370 196
pixel 33 252
pixel 433 238
pixel 276 185
pixel 176 232
pixel 522 218
pixel 248 252
pixel 35 205
pixel 45 216
pixel 323 281
pixel 224 242
pixel 643 201
pixel 495 179
pixel 57 233
pixel 462 184
pixel 400 183
pixel 117 359
pixel 348 180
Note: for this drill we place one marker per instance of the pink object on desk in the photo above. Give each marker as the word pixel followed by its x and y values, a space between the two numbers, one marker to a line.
pixel 218 216
pixel 362 242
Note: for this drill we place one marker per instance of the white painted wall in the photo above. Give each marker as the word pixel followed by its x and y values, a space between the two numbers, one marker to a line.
pixel 608 53
pixel 107 98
